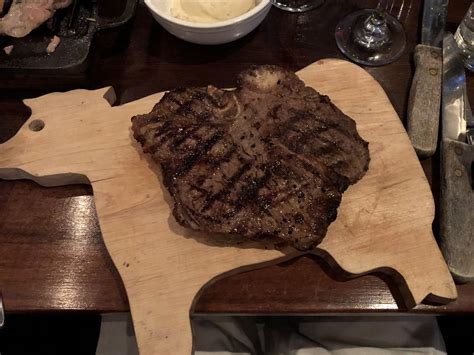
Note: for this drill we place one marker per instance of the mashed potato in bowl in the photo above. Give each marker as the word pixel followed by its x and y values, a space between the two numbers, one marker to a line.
pixel 209 11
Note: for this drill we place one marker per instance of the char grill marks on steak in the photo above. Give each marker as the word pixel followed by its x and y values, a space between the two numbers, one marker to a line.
pixel 269 159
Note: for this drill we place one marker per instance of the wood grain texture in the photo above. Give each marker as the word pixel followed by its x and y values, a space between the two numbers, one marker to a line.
pixel 384 221
pixel 143 59
pixel 278 289
pixel 48 260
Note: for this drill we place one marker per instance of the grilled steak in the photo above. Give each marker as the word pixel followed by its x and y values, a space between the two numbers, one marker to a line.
pixel 269 159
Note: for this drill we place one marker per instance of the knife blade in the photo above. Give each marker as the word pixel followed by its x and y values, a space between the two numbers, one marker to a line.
pixel 457 160
pixel 425 93
pixel 456 107
pixel 2 312
pixel 469 125
pixel 434 21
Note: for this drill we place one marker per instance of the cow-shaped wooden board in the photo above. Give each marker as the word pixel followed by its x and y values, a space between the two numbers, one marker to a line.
pixel 383 223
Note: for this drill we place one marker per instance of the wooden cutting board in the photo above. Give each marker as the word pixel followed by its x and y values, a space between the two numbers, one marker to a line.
pixel 384 221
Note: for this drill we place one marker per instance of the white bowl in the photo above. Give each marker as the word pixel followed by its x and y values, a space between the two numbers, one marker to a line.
pixel 209 33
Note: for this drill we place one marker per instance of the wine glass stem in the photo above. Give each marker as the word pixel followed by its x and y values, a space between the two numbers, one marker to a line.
pixel 373 33
pixel 382 7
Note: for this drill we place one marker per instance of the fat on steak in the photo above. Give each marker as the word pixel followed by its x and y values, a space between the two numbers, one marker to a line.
pixel 269 159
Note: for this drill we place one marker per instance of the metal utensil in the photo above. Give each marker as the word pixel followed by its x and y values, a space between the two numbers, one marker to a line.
pixel 2 312
pixel 425 94
pixel 457 161
pixel 469 124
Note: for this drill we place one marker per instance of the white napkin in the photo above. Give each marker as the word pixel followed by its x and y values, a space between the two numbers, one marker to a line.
pixel 337 335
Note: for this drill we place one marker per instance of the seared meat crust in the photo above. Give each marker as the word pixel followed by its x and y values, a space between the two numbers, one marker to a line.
pixel 268 159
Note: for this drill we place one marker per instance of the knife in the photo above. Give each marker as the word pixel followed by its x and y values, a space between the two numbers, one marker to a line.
pixel 425 93
pixel 2 312
pixel 457 164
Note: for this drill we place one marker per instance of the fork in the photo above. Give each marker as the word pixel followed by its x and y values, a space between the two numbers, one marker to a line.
pixel 400 12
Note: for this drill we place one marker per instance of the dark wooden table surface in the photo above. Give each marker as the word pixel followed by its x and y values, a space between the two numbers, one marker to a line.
pixel 52 257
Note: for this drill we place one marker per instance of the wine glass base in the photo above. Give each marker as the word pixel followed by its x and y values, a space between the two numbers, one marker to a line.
pixel 296 8
pixel 386 54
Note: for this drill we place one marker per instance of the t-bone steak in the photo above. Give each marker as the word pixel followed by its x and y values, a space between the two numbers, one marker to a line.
pixel 267 160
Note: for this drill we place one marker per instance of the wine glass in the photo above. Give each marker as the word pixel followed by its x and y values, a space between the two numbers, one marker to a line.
pixel 371 37
pixel 297 5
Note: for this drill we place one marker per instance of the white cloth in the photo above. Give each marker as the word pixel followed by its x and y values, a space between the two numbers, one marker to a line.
pixel 116 335
pixel 336 335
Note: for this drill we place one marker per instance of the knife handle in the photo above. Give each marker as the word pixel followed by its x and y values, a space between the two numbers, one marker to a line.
pixel 457 208
pixel 425 100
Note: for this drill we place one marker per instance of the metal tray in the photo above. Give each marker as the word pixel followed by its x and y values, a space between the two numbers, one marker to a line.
pixel 75 25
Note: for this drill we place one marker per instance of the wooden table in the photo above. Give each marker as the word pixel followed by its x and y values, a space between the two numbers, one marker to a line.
pixel 52 254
